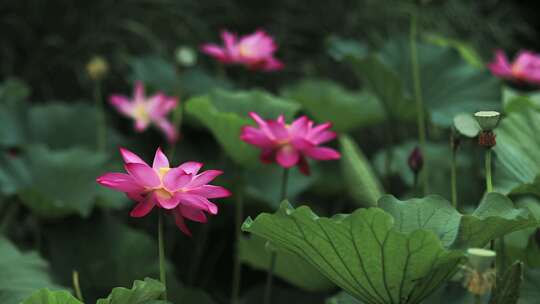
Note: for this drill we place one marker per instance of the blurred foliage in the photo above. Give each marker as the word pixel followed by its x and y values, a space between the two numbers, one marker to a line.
pixel 57 219
pixel 61 36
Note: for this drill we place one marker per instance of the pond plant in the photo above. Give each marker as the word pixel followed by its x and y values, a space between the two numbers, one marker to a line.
pixel 416 180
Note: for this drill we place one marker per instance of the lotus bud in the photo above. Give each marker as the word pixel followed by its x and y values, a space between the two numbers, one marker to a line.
pixel 416 160
pixel 97 68
pixel 186 56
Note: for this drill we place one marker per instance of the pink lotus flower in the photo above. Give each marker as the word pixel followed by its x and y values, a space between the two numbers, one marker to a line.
pixel 255 51
pixel 148 110
pixel 525 68
pixel 182 190
pixel 289 145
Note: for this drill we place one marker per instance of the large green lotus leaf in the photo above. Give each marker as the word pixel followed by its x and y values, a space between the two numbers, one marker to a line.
pixel 466 125
pixel 342 298
pixel 289 267
pixel 13 94
pixel 142 292
pixel 513 99
pixel 340 48
pixel 530 293
pixel 62 182
pixel 437 157
pixel 362 182
pixel 21 273
pixel 327 101
pixel 450 85
pixel 495 216
pixel 120 251
pixel 466 51
pixel 518 152
pixel 225 113
pixel 14 174
pixel 123 253
pixel 264 183
pixel 242 102
pixel 384 83
pixel 155 72
pixel 522 245
pixel 226 128
pixel 77 122
pixel 46 296
pixel 197 81
pixel 280 294
pixel 508 285
pixel 358 252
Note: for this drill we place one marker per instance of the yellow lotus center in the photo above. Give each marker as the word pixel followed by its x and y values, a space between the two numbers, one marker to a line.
pixel 163 193
pixel 245 51
pixel 517 69
pixel 140 112
pixel 162 171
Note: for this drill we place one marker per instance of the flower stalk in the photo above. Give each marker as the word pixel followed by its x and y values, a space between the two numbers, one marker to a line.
pixel 489 182
pixel 421 123
pixel 77 286
pixel 237 270
pixel 273 257
pixel 101 139
pixel 96 69
pixel 454 145
pixel 161 247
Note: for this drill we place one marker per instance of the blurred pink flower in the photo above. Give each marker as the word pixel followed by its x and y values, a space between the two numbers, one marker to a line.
pixel 255 51
pixel 525 68
pixel 289 145
pixel 182 190
pixel 147 110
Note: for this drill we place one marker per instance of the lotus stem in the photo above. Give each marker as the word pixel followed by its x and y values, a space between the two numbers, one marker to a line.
pixel 453 178
pixel 237 273
pixel 77 286
pixel 161 245
pixel 101 139
pixel 421 123
pixel 273 256
pixel 489 184
pixel 284 182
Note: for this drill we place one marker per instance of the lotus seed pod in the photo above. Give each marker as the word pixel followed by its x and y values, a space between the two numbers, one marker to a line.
pixel 488 120
pixel 481 259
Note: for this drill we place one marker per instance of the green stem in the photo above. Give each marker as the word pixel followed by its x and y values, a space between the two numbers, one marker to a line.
pixel 270 278
pixel 237 273
pixel 273 255
pixel 453 178
pixel 418 98
pixel 101 139
pixel 77 286
pixel 10 213
pixel 284 182
pixel 489 184
pixel 178 116
pixel 161 245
